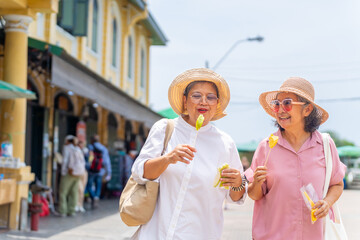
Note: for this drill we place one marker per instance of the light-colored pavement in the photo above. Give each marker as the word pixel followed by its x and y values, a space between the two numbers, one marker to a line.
pixel 237 223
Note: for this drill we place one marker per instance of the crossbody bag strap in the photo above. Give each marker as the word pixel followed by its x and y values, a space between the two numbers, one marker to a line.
pixel 180 198
pixel 168 132
pixel 328 161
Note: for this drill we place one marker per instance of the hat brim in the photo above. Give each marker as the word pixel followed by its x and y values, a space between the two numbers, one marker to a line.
pixel 178 85
pixel 266 97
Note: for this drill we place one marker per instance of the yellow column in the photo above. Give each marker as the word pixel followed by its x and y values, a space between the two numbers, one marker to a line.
pixel 13 112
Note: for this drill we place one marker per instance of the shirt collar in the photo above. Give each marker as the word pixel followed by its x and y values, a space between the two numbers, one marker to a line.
pixel 184 124
pixel 315 138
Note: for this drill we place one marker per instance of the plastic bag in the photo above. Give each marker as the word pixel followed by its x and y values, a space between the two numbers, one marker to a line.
pixel 310 197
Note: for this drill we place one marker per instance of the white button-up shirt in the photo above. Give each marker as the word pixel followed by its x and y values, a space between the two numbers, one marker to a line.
pixel 201 215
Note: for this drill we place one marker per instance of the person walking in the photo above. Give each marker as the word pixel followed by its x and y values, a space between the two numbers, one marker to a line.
pixel 73 166
pixel 297 160
pixel 99 167
pixel 188 205
pixel 82 152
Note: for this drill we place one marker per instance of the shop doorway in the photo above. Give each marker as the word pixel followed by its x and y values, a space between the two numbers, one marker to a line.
pixel 112 131
pixel 36 138
pixel 91 119
pixel 64 124
pixel 129 137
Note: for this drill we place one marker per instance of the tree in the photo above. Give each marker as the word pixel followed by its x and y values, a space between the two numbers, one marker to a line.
pixel 338 141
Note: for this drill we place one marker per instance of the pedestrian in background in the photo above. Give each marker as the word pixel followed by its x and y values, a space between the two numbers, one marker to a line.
pixel 199 214
pixel 73 166
pixel 99 167
pixel 83 152
pixel 297 160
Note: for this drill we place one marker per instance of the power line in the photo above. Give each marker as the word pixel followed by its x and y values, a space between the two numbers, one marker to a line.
pixel 254 80
pixel 330 100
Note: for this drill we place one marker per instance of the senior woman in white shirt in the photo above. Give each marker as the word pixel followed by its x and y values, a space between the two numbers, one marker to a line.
pixel 188 206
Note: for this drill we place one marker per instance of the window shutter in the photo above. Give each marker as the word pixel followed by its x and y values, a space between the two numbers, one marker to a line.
pixel 73 16
pixel 67 14
pixel 80 18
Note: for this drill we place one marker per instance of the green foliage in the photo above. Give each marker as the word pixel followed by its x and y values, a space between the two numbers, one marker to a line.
pixel 338 141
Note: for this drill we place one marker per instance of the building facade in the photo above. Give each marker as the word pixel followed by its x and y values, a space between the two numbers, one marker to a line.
pixel 88 63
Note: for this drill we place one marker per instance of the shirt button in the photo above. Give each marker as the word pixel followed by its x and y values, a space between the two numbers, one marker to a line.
pixel 300 222
pixel 298 176
pixel 299 199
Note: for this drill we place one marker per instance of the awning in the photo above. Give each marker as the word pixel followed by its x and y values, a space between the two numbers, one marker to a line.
pixel 247 147
pixel 168 113
pixel 10 91
pixel 349 151
pixel 68 73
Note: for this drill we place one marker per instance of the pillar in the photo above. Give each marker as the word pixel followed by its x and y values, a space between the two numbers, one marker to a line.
pixel 13 112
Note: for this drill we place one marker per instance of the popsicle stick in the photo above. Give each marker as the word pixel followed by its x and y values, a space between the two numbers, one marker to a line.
pixel 267 157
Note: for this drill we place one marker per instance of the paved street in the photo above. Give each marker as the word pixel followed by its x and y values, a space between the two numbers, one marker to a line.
pixel 237 223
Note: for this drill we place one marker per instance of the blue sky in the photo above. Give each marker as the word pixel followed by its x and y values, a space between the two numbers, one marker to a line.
pixel 318 40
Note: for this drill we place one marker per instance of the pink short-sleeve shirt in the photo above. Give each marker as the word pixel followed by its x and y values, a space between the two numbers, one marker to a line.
pixel 282 213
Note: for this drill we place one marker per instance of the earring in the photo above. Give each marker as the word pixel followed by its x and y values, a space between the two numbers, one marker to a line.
pixel 185 112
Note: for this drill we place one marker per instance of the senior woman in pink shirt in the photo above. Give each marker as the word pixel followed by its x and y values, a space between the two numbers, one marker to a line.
pixel 297 160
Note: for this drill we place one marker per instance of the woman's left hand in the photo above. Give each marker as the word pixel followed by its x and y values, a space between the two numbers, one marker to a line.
pixel 323 208
pixel 231 177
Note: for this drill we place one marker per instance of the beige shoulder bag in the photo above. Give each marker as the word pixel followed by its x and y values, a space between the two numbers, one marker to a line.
pixel 137 202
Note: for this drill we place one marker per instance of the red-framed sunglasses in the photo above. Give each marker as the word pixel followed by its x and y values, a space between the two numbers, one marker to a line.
pixel 286 104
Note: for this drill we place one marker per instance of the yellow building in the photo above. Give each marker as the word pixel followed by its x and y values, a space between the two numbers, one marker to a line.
pixel 88 62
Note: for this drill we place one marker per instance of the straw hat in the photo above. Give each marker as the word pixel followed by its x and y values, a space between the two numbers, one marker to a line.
pixel 300 87
pixel 178 85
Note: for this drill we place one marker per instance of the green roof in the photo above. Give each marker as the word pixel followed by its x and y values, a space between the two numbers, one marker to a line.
pixel 247 147
pixel 168 113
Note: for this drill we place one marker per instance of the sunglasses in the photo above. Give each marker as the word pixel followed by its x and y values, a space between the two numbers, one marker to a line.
pixel 286 104
pixel 211 99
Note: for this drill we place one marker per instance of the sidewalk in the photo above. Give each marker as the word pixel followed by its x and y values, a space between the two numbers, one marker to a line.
pixel 51 225
pixel 105 222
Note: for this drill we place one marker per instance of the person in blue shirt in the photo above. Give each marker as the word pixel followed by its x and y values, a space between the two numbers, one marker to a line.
pixel 96 176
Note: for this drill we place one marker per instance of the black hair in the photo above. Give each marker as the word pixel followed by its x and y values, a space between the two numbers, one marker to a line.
pixel 312 122
pixel 190 85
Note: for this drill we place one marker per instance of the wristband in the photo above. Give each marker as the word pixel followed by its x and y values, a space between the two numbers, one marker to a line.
pixel 242 186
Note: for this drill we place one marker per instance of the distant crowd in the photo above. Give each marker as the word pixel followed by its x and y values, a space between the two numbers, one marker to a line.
pixel 85 172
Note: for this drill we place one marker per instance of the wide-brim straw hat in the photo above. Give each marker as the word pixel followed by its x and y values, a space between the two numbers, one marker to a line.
pixel 300 87
pixel 178 85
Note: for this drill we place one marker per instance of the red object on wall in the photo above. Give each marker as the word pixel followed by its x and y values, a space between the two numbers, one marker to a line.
pixel 81 131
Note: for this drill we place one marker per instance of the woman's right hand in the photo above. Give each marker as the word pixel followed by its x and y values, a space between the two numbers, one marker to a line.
pixel 182 153
pixel 255 191
pixel 260 175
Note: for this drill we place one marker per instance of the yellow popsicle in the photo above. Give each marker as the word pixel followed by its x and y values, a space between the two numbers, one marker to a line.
pixel 273 140
pixel 199 122
pixel 218 176
pixel 313 218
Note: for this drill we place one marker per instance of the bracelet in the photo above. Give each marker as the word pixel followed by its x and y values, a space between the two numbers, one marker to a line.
pixel 242 186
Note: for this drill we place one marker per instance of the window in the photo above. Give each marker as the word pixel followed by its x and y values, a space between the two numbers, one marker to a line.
pixel 130 59
pixel 94 26
pixel 114 44
pixel 143 69
pixel 71 16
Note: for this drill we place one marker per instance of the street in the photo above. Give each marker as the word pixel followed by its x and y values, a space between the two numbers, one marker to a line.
pixel 237 223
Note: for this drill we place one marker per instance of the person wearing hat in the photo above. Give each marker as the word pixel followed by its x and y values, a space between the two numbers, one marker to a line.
pixel 297 160
pixel 188 205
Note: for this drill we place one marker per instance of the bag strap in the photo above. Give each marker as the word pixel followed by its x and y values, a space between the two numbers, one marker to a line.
pixel 328 162
pixel 168 132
